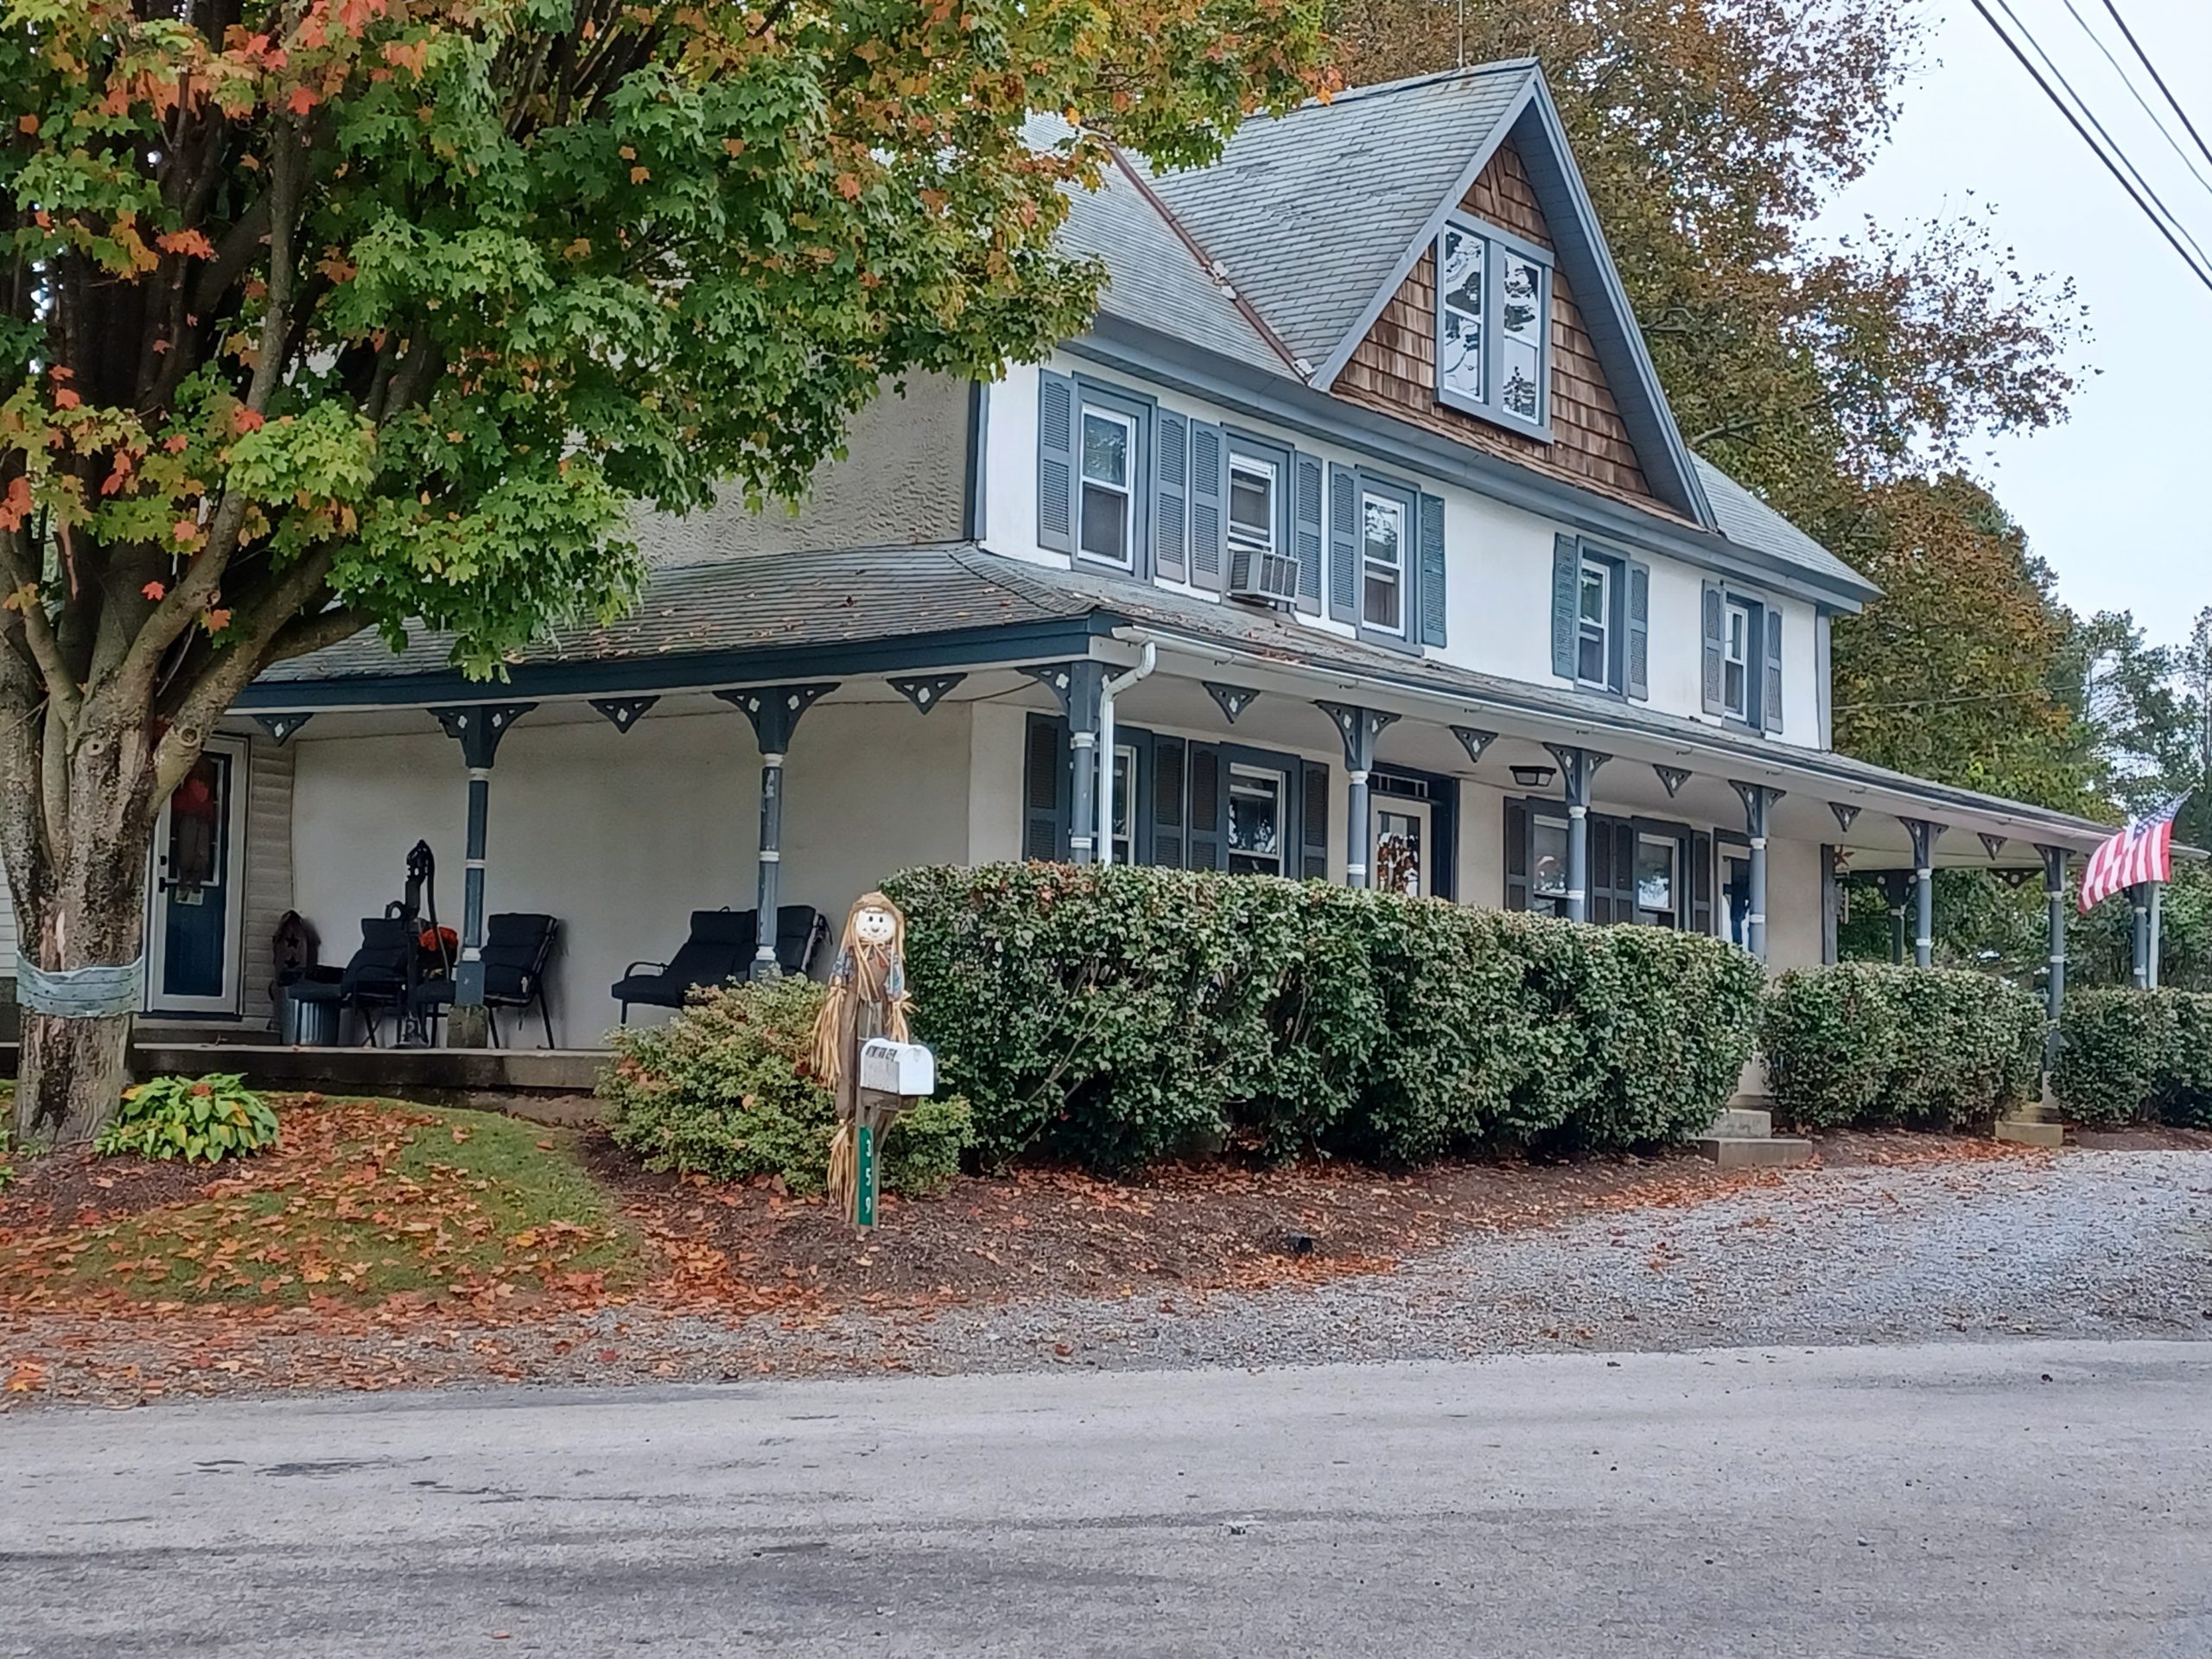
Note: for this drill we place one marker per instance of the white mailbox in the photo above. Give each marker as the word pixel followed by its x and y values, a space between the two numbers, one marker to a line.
pixel 890 1068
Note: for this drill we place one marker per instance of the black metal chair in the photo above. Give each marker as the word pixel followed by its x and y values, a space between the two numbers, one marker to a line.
pixel 720 951
pixel 517 945
pixel 375 978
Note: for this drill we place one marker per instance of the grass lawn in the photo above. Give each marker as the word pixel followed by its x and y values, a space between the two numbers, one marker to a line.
pixel 362 1201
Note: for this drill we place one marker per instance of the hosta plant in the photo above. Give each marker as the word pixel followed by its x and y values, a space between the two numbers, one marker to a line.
pixel 202 1119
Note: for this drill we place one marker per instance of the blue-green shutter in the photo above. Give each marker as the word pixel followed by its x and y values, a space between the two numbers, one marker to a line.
pixel 1713 612
pixel 1169 827
pixel 1567 581
pixel 1170 470
pixel 1209 503
pixel 1344 543
pixel 1770 704
pixel 1433 597
pixel 1313 822
pixel 1516 855
pixel 1056 419
pixel 1639 630
pixel 1207 803
pixel 1305 530
pixel 1700 882
pixel 1044 790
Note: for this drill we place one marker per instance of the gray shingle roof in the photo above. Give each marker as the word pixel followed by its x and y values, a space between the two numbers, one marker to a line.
pixel 1154 277
pixel 1276 207
pixel 1749 522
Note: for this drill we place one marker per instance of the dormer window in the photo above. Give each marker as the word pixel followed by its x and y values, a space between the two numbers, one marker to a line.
pixel 1493 326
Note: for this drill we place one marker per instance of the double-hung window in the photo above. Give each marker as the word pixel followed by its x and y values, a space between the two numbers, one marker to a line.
pixel 1254 487
pixel 1122 818
pixel 1493 326
pixel 1382 562
pixel 1256 821
pixel 1593 646
pixel 1107 516
pixel 1740 636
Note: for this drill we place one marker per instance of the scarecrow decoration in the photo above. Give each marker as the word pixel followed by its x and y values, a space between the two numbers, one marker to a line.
pixel 867 999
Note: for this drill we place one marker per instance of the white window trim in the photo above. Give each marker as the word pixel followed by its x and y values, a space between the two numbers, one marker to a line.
pixel 1603 570
pixel 1368 562
pixel 1754 625
pixel 1674 850
pixel 1126 490
pixel 1277 787
pixel 1489 406
pixel 1125 752
pixel 1252 466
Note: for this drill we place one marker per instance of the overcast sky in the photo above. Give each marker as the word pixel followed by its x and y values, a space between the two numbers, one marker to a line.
pixel 2114 498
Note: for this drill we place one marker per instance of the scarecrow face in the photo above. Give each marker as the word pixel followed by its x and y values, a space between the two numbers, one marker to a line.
pixel 874 927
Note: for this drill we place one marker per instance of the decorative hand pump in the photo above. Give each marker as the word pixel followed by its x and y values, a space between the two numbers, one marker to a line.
pixel 867 1009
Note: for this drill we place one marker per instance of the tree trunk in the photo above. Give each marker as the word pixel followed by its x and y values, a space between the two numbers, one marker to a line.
pixel 71 1075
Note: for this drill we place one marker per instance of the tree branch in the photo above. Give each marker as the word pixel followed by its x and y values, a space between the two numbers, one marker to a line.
pixel 305 635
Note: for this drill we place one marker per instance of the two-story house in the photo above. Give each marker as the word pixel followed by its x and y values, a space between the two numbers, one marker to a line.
pixel 1355 541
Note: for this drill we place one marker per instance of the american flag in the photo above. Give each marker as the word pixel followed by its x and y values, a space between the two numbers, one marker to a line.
pixel 2142 851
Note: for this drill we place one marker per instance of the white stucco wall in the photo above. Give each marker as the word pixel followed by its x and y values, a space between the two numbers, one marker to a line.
pixel 905 481
pixel 1498 613
pixel 1793 905
pixel 621 836
pixel 1482 845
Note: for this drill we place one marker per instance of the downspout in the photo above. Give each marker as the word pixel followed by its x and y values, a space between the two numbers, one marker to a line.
pixel 1116 684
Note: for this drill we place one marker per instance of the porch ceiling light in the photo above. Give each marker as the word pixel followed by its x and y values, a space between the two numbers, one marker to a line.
pixel 1534 777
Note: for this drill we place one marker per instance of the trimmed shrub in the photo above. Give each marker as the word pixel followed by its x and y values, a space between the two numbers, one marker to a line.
pixel 2127 1054
pixel 721 1090
pixel 1113 1017
pixel 1874 1044
pixel 200 1120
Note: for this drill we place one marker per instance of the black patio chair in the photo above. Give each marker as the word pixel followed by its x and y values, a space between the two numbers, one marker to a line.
pixel 517 947
pixel 375 979
pixel 800 932
pixel 720 950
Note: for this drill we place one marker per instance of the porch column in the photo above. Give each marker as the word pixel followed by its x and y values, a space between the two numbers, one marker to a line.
pixel 2054 886
pixel 1577 768
pixel 1076 687
pixel 1358 728
pixel 774 711
pixel 2141 936
pixel 478 729
pixel 1924 834
pixel 1758 801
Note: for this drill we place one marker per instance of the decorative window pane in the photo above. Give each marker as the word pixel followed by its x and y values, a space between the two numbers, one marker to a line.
pixel 1254 822
pixel 1654 879
pixel 1548 866
pixel 1382 602
pixel 1460 291
pixel 1106 514
pixel 1252 503
pixel 1736 662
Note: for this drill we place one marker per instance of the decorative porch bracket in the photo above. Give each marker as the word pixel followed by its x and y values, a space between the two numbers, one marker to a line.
pixel 1577 770
pixel 1924 834
pixel 2054 886
pixel 1845 815
pixel 1077 687
pixel 1474 742
pixel 623 713
pixel 478 729
pixel 1758 801
pixel 774 711
pixel 1993 845
pixel 1232 700
pixel 1358 728
pixel 926 691
pixel 1672 779
pixel 280 728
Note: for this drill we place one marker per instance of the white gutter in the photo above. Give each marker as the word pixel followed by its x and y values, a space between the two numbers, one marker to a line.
pixel 1116 684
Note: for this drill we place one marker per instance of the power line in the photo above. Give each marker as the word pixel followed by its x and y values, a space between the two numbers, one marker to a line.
pixel 2161 80
pixel 2117 150
pixel 2081 132
pixel 2142 103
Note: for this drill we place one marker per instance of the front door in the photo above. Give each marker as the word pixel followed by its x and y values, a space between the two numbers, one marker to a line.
pixel 193 933
pixel 1404 843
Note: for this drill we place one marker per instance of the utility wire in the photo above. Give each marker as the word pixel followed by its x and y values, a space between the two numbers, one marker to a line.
pixel 2142 103
pixel 2160 79
pixel 2117 151
pixel 2112 167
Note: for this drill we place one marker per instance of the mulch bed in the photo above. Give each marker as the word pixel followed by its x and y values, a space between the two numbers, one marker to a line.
pixel 63 1186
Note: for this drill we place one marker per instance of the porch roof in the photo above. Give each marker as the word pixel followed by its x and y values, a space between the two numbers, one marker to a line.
pixel 758 620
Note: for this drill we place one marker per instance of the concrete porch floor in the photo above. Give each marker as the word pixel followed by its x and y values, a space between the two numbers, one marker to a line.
pixel 433 1075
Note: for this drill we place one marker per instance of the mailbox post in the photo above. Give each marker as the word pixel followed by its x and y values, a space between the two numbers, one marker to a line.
pixel 893 1075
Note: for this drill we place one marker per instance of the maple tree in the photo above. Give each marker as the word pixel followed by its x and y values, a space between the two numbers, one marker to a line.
pixel 327 315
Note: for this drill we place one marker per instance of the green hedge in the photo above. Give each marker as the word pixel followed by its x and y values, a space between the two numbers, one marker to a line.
pixel 2125 1054
pixel 1863 1043
pixel 721 1090
pixel 1113 1017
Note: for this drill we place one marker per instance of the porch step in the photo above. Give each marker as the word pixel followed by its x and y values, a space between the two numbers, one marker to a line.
pixel 2030 1131
pixel 1755 1150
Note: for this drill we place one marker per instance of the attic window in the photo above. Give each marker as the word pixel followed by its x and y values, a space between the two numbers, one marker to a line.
pixel 1493 326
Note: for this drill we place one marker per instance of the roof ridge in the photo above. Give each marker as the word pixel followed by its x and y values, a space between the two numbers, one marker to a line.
pixel 1407 83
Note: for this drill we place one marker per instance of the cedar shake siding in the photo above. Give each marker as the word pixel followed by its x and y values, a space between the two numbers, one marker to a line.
pixel 1394 369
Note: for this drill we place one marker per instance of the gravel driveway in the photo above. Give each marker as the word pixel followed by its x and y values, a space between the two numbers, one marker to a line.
pixel 2085 1244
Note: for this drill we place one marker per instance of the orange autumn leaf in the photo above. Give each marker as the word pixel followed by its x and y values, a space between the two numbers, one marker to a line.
pixel 249 420
pixel 185 530
pixel 64 398
pixel 194 243
pixel 216 620
pixel 17 505
pixel 154 590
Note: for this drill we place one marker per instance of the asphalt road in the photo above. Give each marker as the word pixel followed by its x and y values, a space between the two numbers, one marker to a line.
pixel 1997 1500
